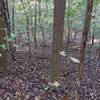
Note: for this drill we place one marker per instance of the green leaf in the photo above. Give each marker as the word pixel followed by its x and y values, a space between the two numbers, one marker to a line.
pixel 3 46
pixel 13 36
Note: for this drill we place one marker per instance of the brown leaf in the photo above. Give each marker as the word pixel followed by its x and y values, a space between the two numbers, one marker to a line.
pixel 65 97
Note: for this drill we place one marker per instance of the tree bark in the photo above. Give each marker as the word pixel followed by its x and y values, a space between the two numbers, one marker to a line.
pixel 41 27
pixel 35 26
pixel 57 45
pixel 86 29
pixel 3 52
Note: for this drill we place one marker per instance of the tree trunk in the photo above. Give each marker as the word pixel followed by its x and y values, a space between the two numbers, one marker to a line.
pixel 84 40
pixel 86 29
pixel 13 17
pixel 27 27
pixel 57 45
pixel 3 52
pixel 41 27
pixel 35 26
pixel 68 25
pixel 11 44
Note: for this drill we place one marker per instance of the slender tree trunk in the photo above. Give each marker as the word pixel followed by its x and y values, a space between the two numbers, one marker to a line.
pixel 31 26
pixel 83 42
pixel 41 27
pixel 91 45
pixel 68 24
pixel 46 6
pixel 86 29
pixel 8 25
pixel 13 17
pixel 35 26
pixel 3 52
pixel 57 45
pixel 28 36
pixel 27 27
pixel 11 44
pixel 67 41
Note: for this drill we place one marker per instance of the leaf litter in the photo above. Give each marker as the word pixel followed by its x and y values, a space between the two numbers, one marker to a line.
pixel 28 79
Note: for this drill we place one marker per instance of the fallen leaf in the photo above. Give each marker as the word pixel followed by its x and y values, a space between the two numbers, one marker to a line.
pixel 75 60
pixel 63 53
pixel 0 55
pixel 55 84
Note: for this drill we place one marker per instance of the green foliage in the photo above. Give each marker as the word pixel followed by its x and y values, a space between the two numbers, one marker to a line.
pixel 75 7
pixel 12 37
pixel 3 46
pixel 76 13
pixel 96 2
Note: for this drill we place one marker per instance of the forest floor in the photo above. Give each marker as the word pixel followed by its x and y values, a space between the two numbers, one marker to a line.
pixel 27 78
